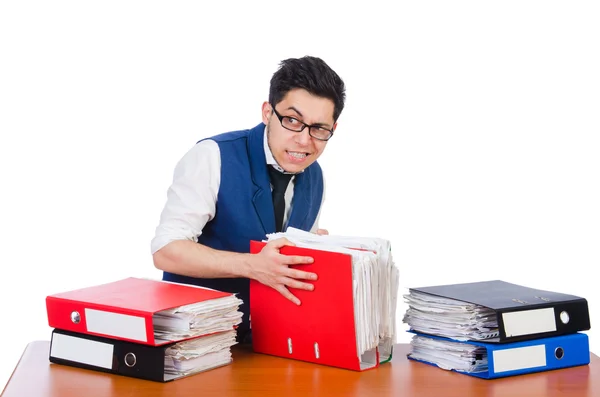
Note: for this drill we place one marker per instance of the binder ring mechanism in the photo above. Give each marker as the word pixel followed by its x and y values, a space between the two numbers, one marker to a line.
pixel 130 359
pixel 316 346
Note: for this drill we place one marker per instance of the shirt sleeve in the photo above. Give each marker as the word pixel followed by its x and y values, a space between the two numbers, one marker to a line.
pixel 192 196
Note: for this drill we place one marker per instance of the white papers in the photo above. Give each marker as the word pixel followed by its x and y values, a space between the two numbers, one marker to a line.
pixel 375 284
pixel 199 354
pixel 449 355
pixel 197 319
pixel 430 314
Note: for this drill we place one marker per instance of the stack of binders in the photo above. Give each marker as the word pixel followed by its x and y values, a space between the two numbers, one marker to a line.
pixel 143 328
pixel 349 319
pixel 495 329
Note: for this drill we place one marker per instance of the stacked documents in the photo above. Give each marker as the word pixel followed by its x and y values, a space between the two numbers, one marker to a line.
pixel 199 354
pixel 492 329
pixel 375 285
pixel 143 328
pixel 451 318
pixel 196 319
pixel 449 355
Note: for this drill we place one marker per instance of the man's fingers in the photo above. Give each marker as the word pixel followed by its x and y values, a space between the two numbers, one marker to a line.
pixel 300 275
pixel 322 231
pixel 285 292
pixel 298 260
pixel 292 283
pixel 280 242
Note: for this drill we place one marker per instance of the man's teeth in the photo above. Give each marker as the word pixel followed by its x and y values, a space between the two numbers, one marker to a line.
pixel 297 155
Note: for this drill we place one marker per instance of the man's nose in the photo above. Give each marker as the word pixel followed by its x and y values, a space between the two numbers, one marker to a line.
pixel 303 138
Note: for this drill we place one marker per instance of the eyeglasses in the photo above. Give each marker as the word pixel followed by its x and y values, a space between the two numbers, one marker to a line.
pixel 293 124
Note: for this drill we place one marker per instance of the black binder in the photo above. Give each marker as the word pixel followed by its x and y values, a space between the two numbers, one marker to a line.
pixel 532 312
pixel 113 356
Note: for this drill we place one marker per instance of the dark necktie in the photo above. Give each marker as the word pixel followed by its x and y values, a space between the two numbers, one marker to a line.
pixel 280 181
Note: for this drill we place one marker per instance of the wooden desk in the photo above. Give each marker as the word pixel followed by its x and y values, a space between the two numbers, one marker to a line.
pixel 260 375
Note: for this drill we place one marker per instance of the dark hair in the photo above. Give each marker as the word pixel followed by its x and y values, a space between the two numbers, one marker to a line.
pixel 311 74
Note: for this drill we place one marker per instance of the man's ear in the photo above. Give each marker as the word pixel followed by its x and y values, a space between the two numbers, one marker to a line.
pixel 266 112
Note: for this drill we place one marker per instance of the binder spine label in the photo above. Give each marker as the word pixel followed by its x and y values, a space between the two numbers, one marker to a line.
pixel 116 325
pixel 528 322
pixel 519 358
pixel 83 351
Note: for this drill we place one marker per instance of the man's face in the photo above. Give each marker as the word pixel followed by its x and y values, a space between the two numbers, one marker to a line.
pixel 294 151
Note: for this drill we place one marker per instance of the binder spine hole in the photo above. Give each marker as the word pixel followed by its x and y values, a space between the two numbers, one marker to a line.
pixel 130 359
pixel 75 317
pixel 559 353
pixel 317 354
pixel 290 345
pixel 564 317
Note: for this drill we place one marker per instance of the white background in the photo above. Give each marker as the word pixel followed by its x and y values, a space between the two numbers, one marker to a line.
pixel 470 136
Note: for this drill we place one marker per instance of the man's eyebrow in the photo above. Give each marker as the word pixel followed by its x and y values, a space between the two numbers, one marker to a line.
pixel 301 115
pixel 296 110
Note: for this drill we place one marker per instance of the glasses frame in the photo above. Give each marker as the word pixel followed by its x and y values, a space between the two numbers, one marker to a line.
pixel 303 126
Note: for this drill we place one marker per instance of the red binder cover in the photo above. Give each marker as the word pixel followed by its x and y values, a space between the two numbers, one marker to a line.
pixel 122 309
pixel 322 329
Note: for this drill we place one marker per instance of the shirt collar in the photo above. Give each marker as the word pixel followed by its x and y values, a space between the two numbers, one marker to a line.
pixel 269 155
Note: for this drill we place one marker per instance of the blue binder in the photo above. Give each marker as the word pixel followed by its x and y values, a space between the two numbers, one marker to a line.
pixel 530 356
pixel 522 312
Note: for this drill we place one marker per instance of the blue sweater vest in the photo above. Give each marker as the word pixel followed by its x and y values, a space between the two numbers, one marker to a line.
pixel 244 209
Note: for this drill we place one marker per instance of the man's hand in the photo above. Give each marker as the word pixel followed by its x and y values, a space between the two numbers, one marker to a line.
pixel 322 232
pixel 273 269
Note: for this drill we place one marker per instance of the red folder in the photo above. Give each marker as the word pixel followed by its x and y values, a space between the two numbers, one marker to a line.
pixel 322 329
pixel 122 309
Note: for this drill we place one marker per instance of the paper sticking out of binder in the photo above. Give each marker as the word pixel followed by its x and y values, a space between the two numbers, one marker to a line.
pixel 145 311
pixel 348 320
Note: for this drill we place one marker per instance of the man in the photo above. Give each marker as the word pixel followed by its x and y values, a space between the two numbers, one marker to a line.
pixel 242 185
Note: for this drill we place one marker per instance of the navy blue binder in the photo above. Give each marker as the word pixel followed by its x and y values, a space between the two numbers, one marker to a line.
pixel 523 313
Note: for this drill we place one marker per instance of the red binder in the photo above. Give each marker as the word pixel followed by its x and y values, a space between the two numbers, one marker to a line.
pixel 322 329
pixel 122 309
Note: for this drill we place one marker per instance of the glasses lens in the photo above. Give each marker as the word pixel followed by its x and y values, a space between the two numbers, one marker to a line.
pixel 291 123
pixel 320 133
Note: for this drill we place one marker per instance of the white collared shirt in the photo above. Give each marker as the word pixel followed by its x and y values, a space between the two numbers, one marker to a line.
pixel 192 196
